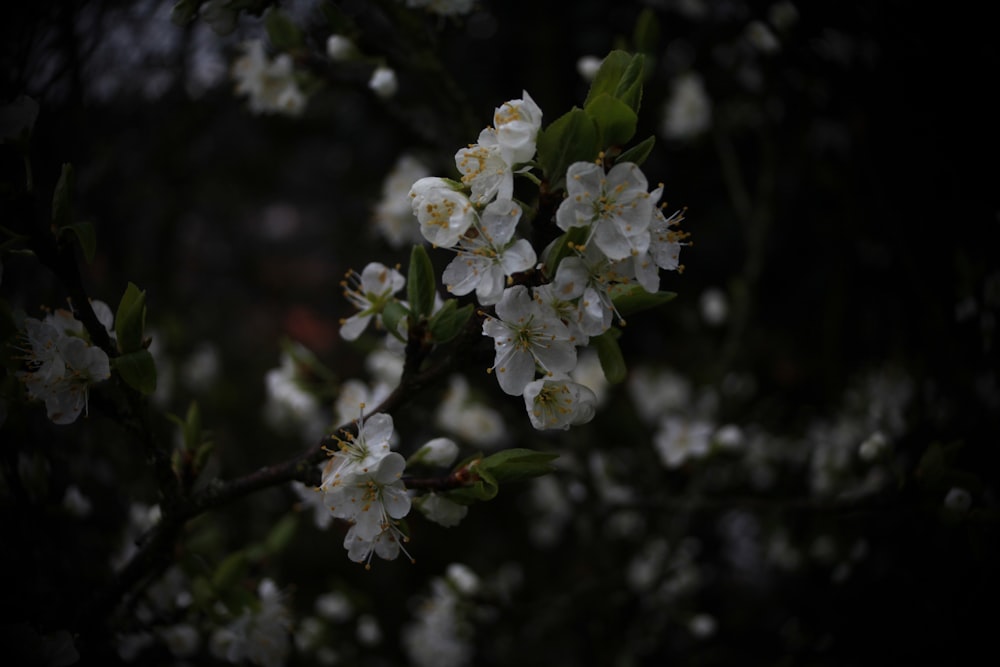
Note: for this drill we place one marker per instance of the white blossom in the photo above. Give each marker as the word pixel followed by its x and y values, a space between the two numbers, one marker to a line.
pixel 517 123
pixel 616 207
pixel 444 213
pixel 487 255
pixel 62 365
pixel 557 403
pixel 525 335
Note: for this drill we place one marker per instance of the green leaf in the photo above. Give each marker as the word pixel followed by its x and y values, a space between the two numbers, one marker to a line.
pixel 632 298
pixel 62 197
pixel 610 354
pixel 608 75
pixel 639 152
pixel 284 34
pixel 138 370
pixel 570 138
pixel 485 488
pixel 449 321
pixel 281 534
pixel 517 464
pixel 615 120
pixel 629 88
pixel 420 283
pixel 230 572
pixel 130 319
pixel 392 314
pixel 85 236
pixel 646 35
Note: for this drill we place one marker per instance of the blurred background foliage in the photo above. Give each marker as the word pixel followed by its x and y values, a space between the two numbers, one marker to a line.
pixel 842 201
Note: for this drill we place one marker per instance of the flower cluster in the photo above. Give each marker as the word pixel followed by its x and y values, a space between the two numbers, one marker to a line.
pixel 63 363
pixel 362 485
pixel 621 238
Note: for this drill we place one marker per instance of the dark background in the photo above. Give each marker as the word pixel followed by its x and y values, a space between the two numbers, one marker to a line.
pixel 868 151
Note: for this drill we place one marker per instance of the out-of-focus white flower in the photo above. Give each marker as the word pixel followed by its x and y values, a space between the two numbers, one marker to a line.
pixel 958 500
pixel 339 48
pixel 369 632
pixel 311 498
pixel 439 636
pixel 261 636
pixel 182 640
pixel 587 66
pixel 270 85
pixel 393 215
pixel 761 37
pixel 873 447
pixel 75 502
pixel 467 418
pixel 354 394
pixel 383 82
pixel 714 306
pixel 657 392
pixel 288 403
pixel 679 440
pixel 441 510
pixel 688 112
pixel 702 626
pixel 334 606
pixel 729 437
pixel 462 578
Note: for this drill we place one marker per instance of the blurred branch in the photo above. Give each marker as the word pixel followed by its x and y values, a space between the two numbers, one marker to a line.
pixel 156 547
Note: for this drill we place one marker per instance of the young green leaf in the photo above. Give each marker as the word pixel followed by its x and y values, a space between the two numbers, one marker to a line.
pixel 138 370
pixel 610 355
pixel 614 119
pixel 392 314
pixel 420 283
pixel 130 319
pixel 449 321
pixel 517 464
pixel 629 88
pixel 646 35
pixel 570 138
pixel 639 152
pixel 609 75
pixel 631 299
